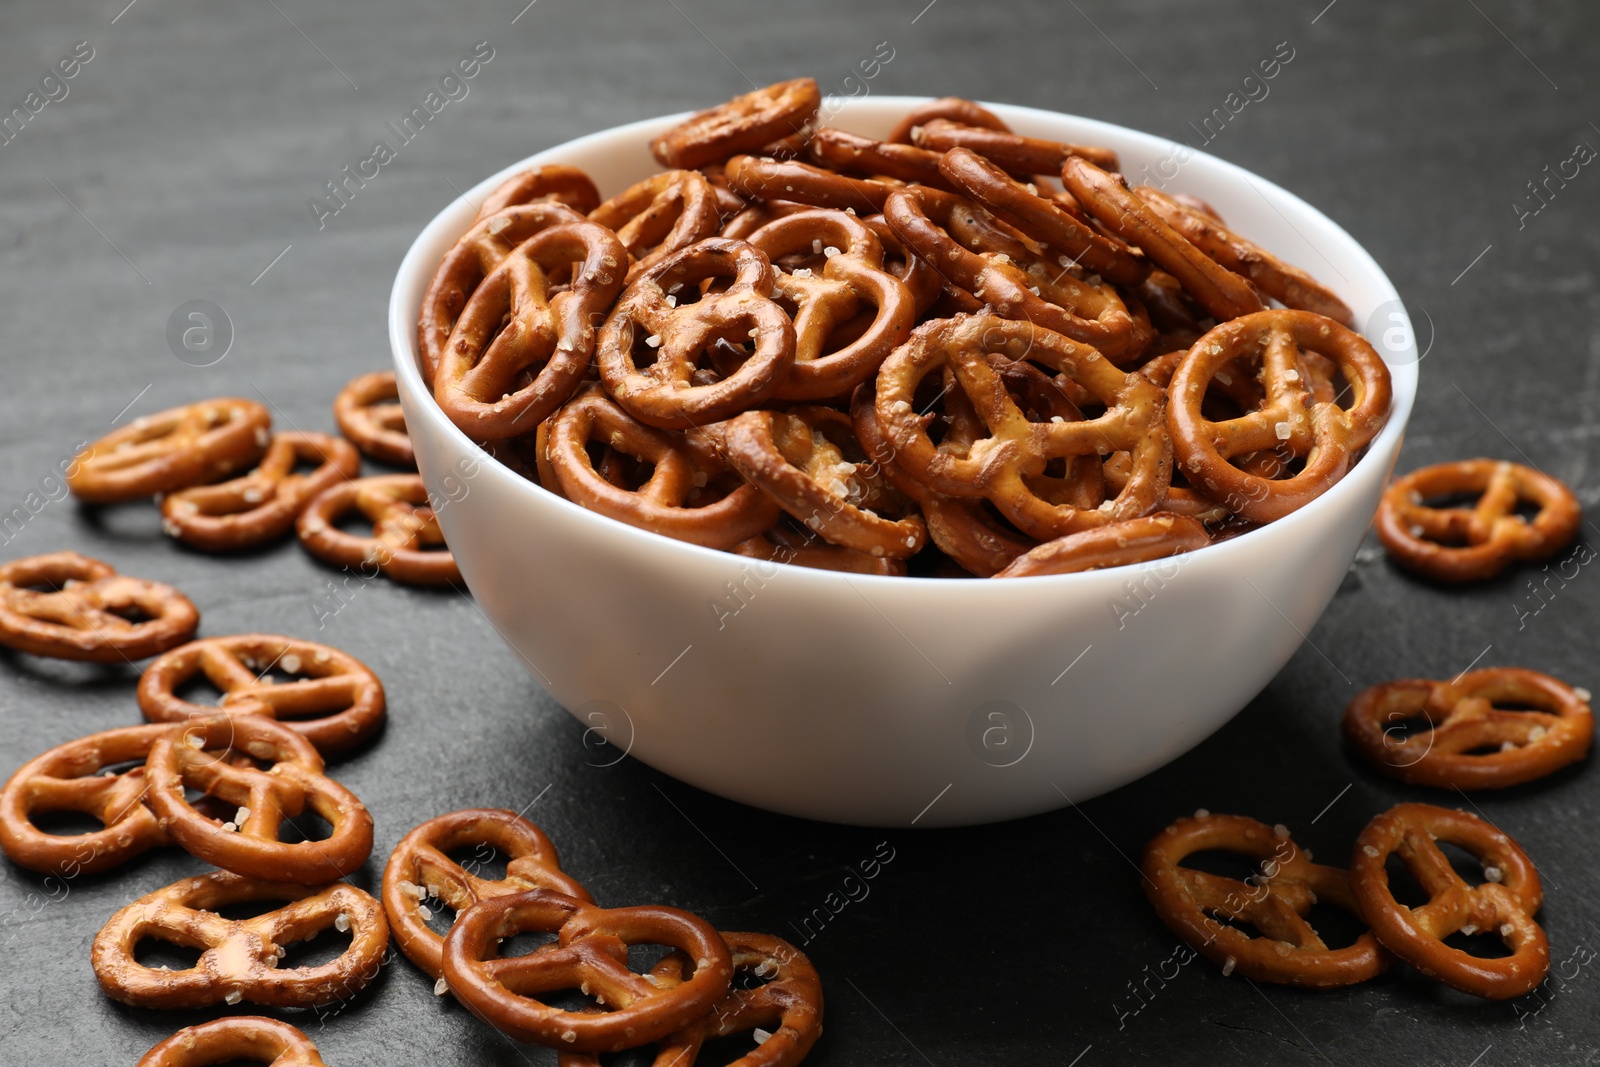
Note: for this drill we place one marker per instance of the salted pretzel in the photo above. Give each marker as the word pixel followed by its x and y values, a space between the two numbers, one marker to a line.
pixel 752 218
pixel 998 465
pixel 1118 544
pixel 420 869
pixel 786 1005
pixel 1017 154
pixel 1478 735
pixel 553 181
pixel 240 958
pixel 590 953
pixel 1503 905
pixel 659 312
pixel 517 352
pixel 862 155
pixel 406 543
pixel 246 1037
pixel 918 275
pixel 851 280
pixel 660 215
pixel 743 124
pixel 1042 218
pixel 1203 908
pixel 198 754
pixel 960 528
pixel 1181 499
pixel 1288 284
pixel 729 203
pixel 685 496
pixel 780 179
pixel 923 218
pixel 1327 435
pixel 808 460
pixel 170 450
pixel 954 108
pixel 68 606
pixel 468 262
pixel 1224 294
pixel 81 776
pixel 368 413
pixel 1459 544
pixel 335 701
pixel 261 505
pixel 1080 481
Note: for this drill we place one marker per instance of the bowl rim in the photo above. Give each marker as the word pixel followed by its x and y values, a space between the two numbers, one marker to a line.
pixel 1404 373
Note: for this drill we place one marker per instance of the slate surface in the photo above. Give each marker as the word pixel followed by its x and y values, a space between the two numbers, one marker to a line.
pixel 179 167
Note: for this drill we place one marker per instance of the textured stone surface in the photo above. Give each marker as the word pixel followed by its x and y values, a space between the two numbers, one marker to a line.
pixel 195 137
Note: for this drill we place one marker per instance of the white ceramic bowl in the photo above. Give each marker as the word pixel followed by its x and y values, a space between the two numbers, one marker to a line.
pixel 893 701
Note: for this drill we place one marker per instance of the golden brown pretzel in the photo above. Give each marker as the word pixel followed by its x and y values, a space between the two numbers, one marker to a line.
pixel 961 528
pixel 922 218
pixel 862 155
pixel 915 273
pixel 249 1037
pixel 1289 418
pixel 336 703
pixel 685 497
pixel 197 754
pixel 1180 498
pixel 659 312
pixel 786 1006
pixel 1105 196
pixel 239 958
pixel 851 280
pixel 998 465
pixel 729 203
pixel 170 450
pixel 808 460
pixel 1502 906
pixel 1041 218
pixel 468 262
pixel 742 124
pixel 660 215
pixel 776 179
pixel 566 185
pixel 368 413
pixel 591 953
pixel 755 216
pixel 406 543
pixel 420 869
pixel 1275 902
pixel 955 108
pixel 1138 540
pixel 1285 282
pixel 74 777
pixel 517 352
pixel 1081 481
pixel 1458 544
pixel 79 611
pixel 1017 154
pixel 261 505
pixel 1471 741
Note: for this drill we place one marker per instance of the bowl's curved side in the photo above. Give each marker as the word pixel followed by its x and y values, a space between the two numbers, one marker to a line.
pixel 893 701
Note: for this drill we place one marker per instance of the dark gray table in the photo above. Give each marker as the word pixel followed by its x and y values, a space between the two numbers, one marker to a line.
pixel 180 166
